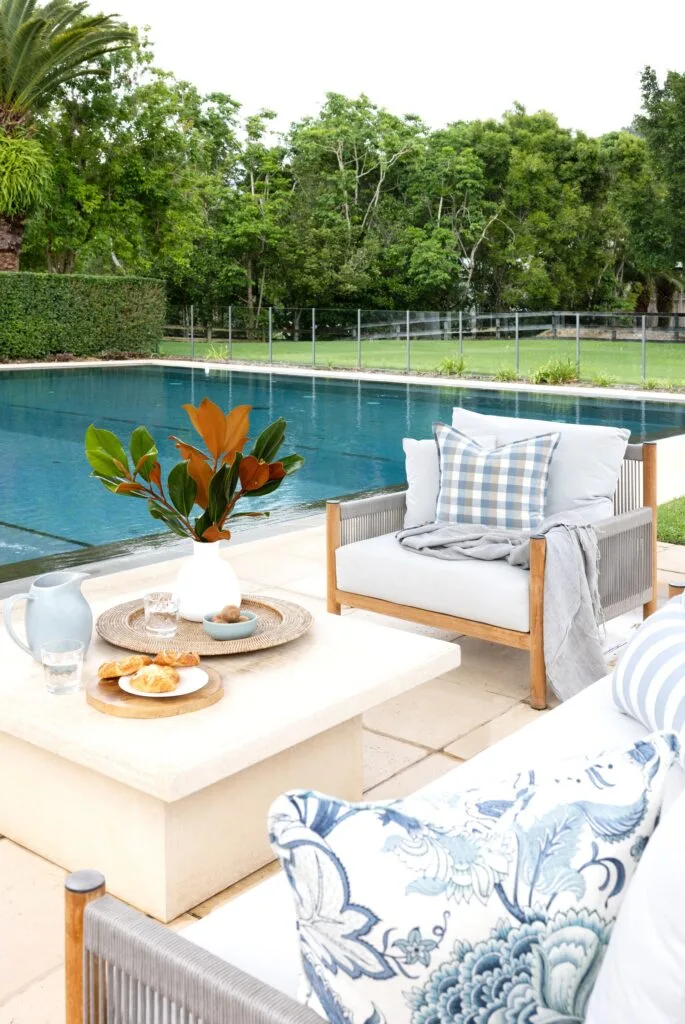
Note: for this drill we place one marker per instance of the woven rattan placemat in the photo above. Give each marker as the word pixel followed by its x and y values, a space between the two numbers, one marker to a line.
pixel 279 622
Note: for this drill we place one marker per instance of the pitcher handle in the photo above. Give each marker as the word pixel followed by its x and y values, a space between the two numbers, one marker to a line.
pixel 7 616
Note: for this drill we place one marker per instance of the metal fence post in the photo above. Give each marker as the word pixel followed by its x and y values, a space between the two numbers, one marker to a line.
pixel 359 339
pixel 644 348
pixel 313 335
pixel 192 331
pixel 408 331
pixel 461 334
pixel 271 338
pixel 577 344
pixel 230 332
pixel 516 335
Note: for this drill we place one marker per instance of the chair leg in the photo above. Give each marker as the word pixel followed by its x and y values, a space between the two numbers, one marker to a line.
pixel 538 674
pixel 538 677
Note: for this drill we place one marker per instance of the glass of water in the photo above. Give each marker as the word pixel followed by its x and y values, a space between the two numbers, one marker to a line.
pixel 161 613
pixel 63 665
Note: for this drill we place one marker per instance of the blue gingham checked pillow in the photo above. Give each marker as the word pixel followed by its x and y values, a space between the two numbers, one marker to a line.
pixel 504 487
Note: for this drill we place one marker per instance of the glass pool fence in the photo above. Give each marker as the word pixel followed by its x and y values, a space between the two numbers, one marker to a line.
pixel 546 347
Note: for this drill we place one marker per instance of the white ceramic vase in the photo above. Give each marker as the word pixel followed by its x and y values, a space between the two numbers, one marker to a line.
pixel 206 582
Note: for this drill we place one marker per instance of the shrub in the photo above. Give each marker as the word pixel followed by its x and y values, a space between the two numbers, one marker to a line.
pixel 452 367
pixel 507 376
pixel 216 353
pixel 653 385
pixel 556 371
pixel 42 315
pixel 603 380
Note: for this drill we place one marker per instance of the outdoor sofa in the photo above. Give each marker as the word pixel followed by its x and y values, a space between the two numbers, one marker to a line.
pixel 240 964
pixel 367 568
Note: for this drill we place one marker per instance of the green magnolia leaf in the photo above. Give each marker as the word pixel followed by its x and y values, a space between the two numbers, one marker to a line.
pixel 233 477
pixel 202 523
pixel 103 464
pixel 182 488
pixel 269 441
pixel 143 451
pixel 291 463
pixel 107 482
pixel 268 488
pixel 167 517
pixel 105 440
pixel 216 506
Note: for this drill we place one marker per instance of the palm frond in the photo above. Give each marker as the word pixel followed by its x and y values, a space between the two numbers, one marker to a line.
pixel 43 47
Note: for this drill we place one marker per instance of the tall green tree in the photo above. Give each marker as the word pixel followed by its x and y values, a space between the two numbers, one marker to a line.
pixel 662 125
pixel 41 49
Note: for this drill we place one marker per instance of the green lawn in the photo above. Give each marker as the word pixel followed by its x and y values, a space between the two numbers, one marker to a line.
pixel 671 524
pixel 620 360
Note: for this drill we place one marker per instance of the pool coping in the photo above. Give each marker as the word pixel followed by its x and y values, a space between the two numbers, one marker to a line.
pixel 283 370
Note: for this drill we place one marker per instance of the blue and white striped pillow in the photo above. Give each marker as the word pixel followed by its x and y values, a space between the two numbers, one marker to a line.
pixel 505 487
pixel 649 680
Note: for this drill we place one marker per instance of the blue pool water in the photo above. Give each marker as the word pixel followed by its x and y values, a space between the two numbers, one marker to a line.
pixel 349 431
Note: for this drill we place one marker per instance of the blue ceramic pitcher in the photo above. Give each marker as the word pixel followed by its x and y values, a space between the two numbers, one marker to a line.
pixel 55 610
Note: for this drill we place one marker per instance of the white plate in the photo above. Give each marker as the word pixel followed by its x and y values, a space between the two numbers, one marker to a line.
pixel 192 679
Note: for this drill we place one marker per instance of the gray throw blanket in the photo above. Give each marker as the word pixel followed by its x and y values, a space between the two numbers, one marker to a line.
pixel 572 639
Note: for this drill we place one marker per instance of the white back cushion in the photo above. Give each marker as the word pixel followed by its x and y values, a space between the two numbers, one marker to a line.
pixel 585 466
pixel 642 979
pixel 422 462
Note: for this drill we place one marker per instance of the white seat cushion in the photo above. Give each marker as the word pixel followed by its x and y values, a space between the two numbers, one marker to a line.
pixel 495 593
pixel 256 931
pixel 586 463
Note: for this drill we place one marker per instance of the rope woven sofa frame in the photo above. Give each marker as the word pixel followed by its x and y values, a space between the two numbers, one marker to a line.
pixel 122 967
pixel 623 579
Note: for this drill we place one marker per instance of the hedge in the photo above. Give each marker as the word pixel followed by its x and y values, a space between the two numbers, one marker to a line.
pixel 43 315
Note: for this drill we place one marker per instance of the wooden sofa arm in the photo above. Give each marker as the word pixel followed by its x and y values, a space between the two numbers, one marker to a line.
pixel 130 962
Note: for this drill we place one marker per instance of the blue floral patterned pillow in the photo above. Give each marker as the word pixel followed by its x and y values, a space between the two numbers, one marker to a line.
pixel 494 906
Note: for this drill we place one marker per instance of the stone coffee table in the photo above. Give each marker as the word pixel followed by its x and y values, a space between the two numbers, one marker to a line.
pixel 173 810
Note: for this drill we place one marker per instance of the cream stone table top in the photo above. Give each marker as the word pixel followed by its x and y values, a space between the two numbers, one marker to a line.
pixel 273 699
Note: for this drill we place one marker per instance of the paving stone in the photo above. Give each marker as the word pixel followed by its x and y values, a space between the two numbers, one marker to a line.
pixel 384 757
pixel 408 781
pixel 31 918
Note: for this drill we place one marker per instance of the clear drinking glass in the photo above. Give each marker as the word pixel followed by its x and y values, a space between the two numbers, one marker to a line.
pixel 161 613
pixel 63 665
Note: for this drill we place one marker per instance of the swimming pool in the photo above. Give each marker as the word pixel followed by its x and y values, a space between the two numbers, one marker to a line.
pixel 349 431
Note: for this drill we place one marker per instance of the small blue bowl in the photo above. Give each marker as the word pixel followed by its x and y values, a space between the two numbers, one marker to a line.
pixel 230 630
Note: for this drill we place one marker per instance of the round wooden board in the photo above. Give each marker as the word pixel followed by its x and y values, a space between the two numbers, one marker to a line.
pixel 279 622
pixel 107 696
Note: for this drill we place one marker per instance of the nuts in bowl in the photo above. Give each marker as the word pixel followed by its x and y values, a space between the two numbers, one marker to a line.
pixel 227 625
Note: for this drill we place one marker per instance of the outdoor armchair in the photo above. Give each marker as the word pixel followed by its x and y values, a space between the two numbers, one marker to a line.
pixel 490 600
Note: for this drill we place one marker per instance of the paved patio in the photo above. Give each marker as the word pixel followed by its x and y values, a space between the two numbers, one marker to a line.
pixel 408 742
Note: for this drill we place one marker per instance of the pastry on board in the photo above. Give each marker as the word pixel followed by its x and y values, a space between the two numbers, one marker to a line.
pixel 155 679
pixel 125 667
pixel 177 659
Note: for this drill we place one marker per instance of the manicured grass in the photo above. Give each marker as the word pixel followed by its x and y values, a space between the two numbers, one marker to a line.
pixel 671 522
pixel 617 361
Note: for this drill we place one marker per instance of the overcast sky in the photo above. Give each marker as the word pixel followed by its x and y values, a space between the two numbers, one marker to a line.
pixel 442 59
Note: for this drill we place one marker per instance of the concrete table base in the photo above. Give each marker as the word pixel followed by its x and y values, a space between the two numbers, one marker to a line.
pixel 173 810
pixel 165 858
